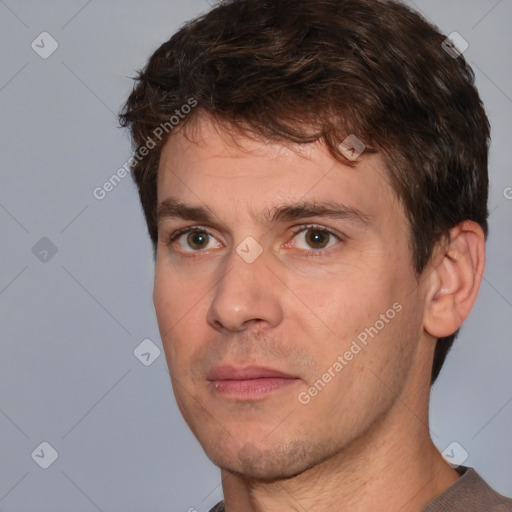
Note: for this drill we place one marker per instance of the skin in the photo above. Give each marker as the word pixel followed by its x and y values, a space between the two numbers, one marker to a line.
pixel 362 442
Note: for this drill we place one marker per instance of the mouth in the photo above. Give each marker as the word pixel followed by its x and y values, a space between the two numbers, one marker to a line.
pixel 249 383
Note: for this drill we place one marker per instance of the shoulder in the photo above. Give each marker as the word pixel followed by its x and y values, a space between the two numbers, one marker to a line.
pixel 220 507
pixel 470 493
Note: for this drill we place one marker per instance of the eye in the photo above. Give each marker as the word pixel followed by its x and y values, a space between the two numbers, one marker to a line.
pixel 315 237
pixel 195 239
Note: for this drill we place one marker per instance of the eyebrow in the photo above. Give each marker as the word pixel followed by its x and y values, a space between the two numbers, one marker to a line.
pixel 172 208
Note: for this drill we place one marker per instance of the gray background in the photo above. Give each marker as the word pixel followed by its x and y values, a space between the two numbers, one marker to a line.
pixel 70 321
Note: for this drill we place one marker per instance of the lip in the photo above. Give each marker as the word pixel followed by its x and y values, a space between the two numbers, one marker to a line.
pixel 227 372
pixel 248 384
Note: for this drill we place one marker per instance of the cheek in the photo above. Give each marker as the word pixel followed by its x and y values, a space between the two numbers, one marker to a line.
pixel 164 301
pixel 360 316
pixel 341 303
pixel 176 295
pixel 178 307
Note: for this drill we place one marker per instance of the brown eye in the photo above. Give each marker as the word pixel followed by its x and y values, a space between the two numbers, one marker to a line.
pixel 317 238
pixel 197 240
pixel 193 240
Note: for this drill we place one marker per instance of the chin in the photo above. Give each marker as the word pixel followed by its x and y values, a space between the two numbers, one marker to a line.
pixel 266 463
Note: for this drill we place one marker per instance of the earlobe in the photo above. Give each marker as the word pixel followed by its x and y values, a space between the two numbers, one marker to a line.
pixel 454 280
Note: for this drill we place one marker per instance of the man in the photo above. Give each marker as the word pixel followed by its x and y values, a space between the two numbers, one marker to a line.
pixel 314 179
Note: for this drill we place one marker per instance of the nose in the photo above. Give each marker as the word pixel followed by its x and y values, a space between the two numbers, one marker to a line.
pixel 247 295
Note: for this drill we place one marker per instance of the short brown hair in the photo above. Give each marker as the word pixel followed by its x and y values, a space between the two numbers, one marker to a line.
pixel 308 70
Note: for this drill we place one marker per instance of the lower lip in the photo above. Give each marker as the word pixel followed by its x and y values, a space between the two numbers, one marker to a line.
pixel 250 389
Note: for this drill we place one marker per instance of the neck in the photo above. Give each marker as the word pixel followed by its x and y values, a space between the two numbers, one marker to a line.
pixel 394 466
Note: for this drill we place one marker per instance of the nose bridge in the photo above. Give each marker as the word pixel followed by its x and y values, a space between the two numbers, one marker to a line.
pixel 246 292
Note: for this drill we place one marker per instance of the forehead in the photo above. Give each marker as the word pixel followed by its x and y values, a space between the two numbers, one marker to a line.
pixel 206 165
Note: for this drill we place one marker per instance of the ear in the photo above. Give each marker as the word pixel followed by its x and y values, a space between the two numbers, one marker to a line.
pixel 454 279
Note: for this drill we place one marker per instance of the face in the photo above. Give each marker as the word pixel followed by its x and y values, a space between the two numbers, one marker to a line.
pixel 285 297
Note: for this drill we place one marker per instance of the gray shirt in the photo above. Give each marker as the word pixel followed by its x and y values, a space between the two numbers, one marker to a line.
pixel 469 493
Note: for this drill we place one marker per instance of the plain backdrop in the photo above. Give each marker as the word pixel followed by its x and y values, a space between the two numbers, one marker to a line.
pixel 76 272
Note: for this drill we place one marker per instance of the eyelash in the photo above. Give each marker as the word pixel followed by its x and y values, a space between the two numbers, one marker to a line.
pixel 313 252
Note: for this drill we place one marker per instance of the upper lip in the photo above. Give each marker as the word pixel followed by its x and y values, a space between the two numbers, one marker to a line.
pixel 227 372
